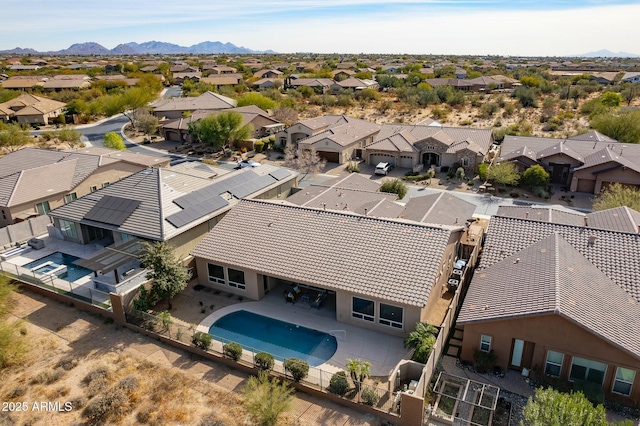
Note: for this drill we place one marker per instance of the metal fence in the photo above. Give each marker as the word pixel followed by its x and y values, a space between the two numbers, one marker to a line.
pixel 379 398
pixel 52 283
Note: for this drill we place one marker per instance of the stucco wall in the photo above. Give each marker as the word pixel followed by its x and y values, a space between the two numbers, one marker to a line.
pixel 550 332
pixel 621 175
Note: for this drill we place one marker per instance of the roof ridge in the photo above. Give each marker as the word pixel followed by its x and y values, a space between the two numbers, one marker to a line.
pixel 15 185
pixel 432 206
pixel 556 271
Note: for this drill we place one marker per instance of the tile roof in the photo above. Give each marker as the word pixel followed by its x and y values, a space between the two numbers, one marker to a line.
pixel 559 148
pixel 622 219
pixel 544 214
pixel 442 208
pixel 390 259
pixel 207 100
pixel 476 138
pixel 344 130
pixel 29 105
pixel 612 252
pixel 551 276
pixel 608 156
pixel 593 135
pixel 400 142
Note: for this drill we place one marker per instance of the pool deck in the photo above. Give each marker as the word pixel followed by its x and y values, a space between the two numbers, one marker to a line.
pixel 383 351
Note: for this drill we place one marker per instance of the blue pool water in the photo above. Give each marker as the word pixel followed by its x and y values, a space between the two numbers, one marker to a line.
pixel 279 338
pixel 73 272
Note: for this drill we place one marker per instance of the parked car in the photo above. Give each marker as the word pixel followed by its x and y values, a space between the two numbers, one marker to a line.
pixel 247 163
pixel 383 169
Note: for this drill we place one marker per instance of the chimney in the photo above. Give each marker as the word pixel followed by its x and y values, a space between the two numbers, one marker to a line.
pixel 586 221
pixel 365 212
pixel 456 220
pixel 324 206
pixel 526 215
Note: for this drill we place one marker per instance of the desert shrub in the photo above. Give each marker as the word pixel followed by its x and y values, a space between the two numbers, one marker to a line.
pixel 267 398
pixel 201 340
pixel 258 146
pixel 129 383
pixel 482 171
pixel 101 372
pixel 339 384
pixel 96 386
pixel 395 186
pixel 232 350
pixel 17 392
pixel 353 167
pixel 106 406
pixel 485 361
pixel 298 368
pixel 47 377
pixel 67 363
pixel 212 419
pixel 264 361
pixel 370 396
pixel 78 402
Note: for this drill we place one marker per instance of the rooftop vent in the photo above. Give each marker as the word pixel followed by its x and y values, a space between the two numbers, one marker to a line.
pixel 592 240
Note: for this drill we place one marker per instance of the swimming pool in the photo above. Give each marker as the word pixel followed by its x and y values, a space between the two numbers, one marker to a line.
pixel 49 263
pixel 281 339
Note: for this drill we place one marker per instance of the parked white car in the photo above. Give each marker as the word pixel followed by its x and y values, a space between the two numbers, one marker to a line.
pixel 247 163
pixel 383 169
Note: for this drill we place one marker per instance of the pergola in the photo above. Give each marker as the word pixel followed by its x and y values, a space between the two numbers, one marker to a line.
pixel 112 257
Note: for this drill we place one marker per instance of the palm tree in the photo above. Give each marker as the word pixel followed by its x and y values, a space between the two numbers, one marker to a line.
pixel 359 370
pixel 421 340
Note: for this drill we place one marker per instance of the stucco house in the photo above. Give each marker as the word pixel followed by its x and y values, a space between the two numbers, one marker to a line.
pixel 178 107
pixel 369 276
pixel 419 147
pixel 337 138
pixel 355 84
pixel 178 129
pixel 34 181
pixel 584 163
pixel 175 205
pixel 30 109
pixel 559 298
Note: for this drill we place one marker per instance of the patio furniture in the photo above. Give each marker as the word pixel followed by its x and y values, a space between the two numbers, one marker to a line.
pixel 36 243
pixel 318 300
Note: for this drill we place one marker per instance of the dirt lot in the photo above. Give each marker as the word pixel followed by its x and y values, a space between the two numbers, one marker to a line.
pixel 82 364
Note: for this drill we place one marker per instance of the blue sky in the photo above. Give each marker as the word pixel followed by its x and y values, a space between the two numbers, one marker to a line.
pixel 476 27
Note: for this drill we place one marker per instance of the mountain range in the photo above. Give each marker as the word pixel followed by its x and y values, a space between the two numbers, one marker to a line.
pixel 146 48
pixel 604 53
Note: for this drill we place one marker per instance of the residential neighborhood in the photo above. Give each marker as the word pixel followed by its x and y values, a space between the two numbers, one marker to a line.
pixel 438 234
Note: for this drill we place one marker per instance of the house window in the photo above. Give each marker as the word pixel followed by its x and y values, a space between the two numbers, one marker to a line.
pixel 104 185
pixel 216 273
pixel 4 216
pixel 624 381
pixel 553 367
pixel 43 208
pixel 391 315
pixel 584 369
pixel 68 229
pixel 464 161
pixel 236 279
pixel 485 343
pixel 94 188
pixel 70 197
pixel 363 309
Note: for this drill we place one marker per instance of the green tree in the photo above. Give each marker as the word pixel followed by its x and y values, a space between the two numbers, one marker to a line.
pixel 611 99
pixel 113 140
pixel 69 136
pixel 13 136
pixel 623 126
pixel 127 102
pixel 526 96
pixel 630 92
pixel 503 174
pixel 169 277
pixel 552 408
pixel 166 321
pixel 221 129
pixel 421 340
pixel 617 195
pixel 253 98
pixel 267 398
pixel 460 174
pixel 535 177
pixel 359 371
pixel 145 122
pixel 395 186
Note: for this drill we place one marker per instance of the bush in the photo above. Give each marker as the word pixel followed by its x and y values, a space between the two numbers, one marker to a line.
pixel 105 406
pixel 265 398
pixel 339 384
pixel 298 368
pixel 370 397
pixel 264 361
pixel 485 361
pixel 201 340
pixel 591 391
pixel 258 146
pixel 232 350
pixel 395 186
pixel 97 373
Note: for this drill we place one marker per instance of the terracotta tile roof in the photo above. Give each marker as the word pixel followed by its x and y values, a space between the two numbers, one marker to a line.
pixel 353 130
pixel 612 252
pixel 207 100
pixel 400 142
pixel 390 259
pixel 551 276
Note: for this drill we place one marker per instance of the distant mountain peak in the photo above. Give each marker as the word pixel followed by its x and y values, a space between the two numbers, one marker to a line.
pixel 604 53
pixel 149 47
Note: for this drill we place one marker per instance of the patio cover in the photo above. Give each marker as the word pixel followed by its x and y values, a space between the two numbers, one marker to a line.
pixel 112 257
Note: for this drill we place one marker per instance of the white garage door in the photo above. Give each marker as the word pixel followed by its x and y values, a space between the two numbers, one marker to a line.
pixel 406 161
pixel 381 158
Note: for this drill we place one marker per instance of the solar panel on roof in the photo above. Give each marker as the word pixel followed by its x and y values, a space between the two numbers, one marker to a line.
pixel 280 174
pixel 197 211
pixel 112 210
